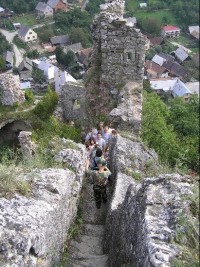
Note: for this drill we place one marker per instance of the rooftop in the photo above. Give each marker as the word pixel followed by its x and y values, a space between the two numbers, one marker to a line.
pixel 150 65
pixel 170 28
pixel 181 54
pixel 61 39
pixel 23 30
pixel 41 6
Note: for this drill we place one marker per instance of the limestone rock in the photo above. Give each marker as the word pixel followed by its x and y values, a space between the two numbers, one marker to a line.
pixel 144 214
pixel 10 91
pixel 27 146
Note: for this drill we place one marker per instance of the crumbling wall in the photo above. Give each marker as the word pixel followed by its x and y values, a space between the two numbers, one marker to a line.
pixel 120 46
pixel 10 91
pixel 118 58
pixel 73 99
pixel 33 228
pixel 141 221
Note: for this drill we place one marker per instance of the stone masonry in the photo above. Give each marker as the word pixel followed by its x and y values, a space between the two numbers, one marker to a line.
pixel 119 44
pixel 10 91
pixel 73 99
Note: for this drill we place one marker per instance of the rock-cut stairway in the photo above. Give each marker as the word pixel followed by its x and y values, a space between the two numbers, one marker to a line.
pixel 86 250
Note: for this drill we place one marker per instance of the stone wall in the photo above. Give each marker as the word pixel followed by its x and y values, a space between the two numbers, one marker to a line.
pixel 73 99
pixel 119 45
pixel 10 91
pixel 33 229
pixel 128 114
pixel 141 221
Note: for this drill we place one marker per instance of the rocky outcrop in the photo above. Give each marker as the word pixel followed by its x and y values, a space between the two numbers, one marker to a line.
pixel 33 229
pixel 27 146
pixel 141 222
pixel 10 91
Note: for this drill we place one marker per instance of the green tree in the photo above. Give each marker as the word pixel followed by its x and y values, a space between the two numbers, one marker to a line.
pixel 38 75
pixel 2 64
pixel 32 54
pixel 46 106
pixel 155 130
pixel 184 116
pixel 79 35
pixel 150 25
pixel 70 58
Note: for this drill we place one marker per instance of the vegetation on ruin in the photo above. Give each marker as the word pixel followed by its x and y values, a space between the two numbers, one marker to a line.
pixel 172 129
pixel 187 233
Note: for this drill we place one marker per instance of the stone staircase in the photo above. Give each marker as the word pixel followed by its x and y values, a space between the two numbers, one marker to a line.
pixel 86 250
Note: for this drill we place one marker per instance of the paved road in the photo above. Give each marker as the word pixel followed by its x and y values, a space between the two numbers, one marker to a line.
pixel 9 37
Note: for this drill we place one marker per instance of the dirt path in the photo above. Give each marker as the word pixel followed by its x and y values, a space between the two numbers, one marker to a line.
pixel 87 249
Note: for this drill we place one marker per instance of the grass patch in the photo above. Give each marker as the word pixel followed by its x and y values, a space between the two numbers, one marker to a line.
pixel 30 20
pixel 137 176
pixel 158 15
pixel 132 5
pixel 12 181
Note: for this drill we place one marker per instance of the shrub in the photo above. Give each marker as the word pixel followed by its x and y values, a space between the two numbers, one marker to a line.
pixel 46 106
pixel 29 96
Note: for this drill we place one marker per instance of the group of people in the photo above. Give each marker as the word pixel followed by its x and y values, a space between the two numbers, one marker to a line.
pixel 97 142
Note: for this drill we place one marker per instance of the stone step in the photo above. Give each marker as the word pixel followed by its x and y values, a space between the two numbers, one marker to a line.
pixel 85 246
pixel 95 261
pixel 92 230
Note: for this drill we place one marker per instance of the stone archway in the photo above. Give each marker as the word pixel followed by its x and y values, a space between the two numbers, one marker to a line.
pixel 10 129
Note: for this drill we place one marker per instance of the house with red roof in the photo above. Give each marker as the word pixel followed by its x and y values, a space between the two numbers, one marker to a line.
pixel 170 31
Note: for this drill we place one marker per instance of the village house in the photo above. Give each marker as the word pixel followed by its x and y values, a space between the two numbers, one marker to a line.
pixel 180 90
pixel 1 11
pixel 61 78
pixel 47 68
pixel 158 60
pixel 143 5
pixel 83 56
pixel 42 9
pixel 170 31
pixel 171 87
pixel 194 31
pixel 26 34
pixel 58 5
pixel 193 87
pixel 176 70
pixel 180 54
pixel 155 40
pixel 25 69
pixel 61 40
pixel 8 57
pixel 153 70
pixel 73 47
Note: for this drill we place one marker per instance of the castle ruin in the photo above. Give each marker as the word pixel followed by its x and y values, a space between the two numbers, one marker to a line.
pixel 119 44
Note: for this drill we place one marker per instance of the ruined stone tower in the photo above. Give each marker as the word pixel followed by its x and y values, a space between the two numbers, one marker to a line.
pixel 118 44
